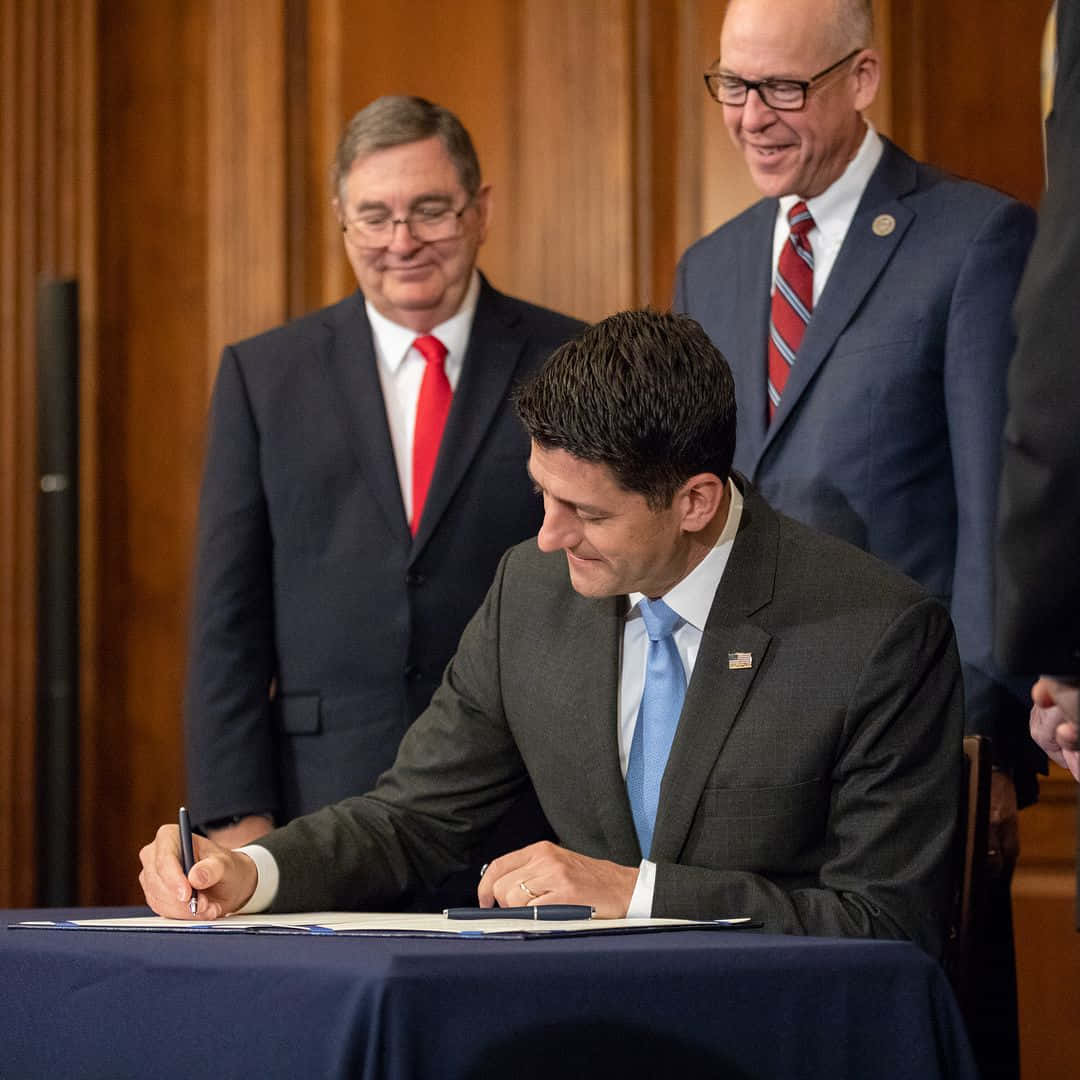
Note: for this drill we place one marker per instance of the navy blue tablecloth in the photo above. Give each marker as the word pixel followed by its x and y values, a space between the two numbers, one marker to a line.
pixel 693 1003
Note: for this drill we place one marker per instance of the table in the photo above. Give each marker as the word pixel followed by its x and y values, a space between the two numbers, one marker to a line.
pixel 730 1004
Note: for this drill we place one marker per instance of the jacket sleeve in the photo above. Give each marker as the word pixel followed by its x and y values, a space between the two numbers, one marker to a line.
pixel 231 665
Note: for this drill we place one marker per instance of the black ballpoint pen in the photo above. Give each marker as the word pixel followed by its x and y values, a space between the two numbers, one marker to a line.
pixel 187 853
pixel 536 913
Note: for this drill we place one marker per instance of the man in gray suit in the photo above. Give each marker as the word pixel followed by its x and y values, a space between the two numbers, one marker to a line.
pixel 864 305
pixel 722 711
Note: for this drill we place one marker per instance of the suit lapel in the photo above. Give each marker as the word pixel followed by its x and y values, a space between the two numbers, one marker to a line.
pixel 491 360
pixel 716 691
pixel 753 291
pixel 593 690
pixel 859 263
pixel 352 367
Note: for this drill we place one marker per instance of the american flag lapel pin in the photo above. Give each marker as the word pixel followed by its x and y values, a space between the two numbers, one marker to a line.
pixel 737 661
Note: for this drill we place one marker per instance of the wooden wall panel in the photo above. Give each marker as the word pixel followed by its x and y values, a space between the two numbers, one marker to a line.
pixel 247 171
pixel 573 213
pixel 154 348
pixel 1048 946
pixel 194 241
pixel 966 87
pixel 47 227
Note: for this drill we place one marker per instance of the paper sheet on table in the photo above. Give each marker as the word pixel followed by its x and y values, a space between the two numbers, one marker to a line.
pixel 381 924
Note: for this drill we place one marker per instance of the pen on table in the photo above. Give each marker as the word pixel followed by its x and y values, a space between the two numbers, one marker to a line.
pixel 536 913
pixel 187 853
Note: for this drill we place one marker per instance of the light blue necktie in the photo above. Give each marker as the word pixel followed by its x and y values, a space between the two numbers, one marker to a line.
pixel 658 717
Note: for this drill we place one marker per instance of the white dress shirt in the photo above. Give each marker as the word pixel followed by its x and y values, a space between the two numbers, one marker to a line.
pixel 401 371
pixel 692 599
pixel 832 210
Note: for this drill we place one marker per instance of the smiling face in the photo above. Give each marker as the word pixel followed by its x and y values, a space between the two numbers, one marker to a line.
pixel 614 542
pixel 413 283
pixel 795 153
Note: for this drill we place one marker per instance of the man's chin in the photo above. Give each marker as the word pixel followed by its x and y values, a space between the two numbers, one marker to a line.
pixel 588 578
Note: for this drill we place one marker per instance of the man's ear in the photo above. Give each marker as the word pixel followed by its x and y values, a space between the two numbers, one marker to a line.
pixel 867 79
pixel 699 500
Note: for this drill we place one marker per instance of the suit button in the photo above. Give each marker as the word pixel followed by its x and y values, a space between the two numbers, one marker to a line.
pixel 412 672
pixel 413 579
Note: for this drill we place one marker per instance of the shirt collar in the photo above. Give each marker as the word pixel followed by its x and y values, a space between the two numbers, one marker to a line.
pixel 393 341
pixel 692 598
pixel 834 208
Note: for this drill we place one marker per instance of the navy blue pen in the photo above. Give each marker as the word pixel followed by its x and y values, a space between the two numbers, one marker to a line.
pixel 536 913
pixel 187 853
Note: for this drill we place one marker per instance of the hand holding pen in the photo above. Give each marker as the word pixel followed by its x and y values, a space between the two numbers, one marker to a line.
pixel 175 864
pixel 187 854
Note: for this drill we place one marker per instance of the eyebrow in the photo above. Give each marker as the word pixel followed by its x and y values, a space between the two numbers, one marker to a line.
pixel 430 196
pixel 599 511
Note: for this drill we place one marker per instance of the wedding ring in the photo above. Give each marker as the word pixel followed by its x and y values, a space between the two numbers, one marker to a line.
pixel 525 889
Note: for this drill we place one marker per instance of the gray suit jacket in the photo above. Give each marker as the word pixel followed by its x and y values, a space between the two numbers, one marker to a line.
pixel 889 431
pixel 816 790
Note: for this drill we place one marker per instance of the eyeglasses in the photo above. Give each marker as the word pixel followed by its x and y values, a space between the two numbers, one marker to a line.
pixel 785 95
pixel 426 224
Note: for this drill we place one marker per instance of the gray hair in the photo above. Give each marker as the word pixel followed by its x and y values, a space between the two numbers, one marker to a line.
pixel 397 119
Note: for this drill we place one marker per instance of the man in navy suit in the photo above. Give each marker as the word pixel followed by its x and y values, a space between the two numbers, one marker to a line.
pixel 361 484
pixel 871 380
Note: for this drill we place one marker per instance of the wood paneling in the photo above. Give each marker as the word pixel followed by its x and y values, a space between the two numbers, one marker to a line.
pixel 47 227
pixel 194 238
pixel 966 88
pixel 1048 946
pixel 247 170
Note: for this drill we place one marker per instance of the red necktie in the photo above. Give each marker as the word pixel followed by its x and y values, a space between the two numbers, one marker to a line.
pixel 792 301
pixel 431 411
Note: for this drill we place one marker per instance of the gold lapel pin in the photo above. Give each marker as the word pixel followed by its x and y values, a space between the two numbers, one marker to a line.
pixel 737 661
pixel 883 224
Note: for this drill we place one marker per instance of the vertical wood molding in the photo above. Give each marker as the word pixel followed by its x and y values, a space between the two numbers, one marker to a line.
pixel 574 212
pixel 328 275
pixel 247 276
pixel 47 91
pixel 668 98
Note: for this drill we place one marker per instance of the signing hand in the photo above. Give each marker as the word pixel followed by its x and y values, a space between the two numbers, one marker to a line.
pixel 1055 722
pixel 225 879
pixel 552 875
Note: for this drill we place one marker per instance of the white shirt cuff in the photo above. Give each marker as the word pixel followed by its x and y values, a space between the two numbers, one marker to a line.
pixel 641 901
pixel 266 886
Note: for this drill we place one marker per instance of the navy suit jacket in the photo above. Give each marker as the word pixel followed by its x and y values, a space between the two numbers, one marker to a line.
pixel 888 433
pixel 321 626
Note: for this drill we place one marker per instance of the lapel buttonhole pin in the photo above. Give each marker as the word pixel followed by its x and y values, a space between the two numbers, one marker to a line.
pixel 736 661
pixel 883 224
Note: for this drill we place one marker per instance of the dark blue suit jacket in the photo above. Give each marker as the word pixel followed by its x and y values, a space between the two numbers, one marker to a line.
pixel 321 626
pixel 888 434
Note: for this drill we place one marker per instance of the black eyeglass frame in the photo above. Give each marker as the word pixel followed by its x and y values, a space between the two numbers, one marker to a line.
pixel 770 84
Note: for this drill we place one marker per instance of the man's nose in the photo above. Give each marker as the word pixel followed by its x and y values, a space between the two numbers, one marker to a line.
pixel 560 529
pixel 755 113
pixel 402 241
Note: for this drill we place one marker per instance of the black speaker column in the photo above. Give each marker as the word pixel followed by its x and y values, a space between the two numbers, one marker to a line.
pixel 58 590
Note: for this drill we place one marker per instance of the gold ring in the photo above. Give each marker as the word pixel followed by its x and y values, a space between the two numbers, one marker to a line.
pixel 525 889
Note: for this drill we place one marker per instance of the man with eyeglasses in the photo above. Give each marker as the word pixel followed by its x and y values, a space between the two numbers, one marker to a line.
pixel 864 305
pixel 364 474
